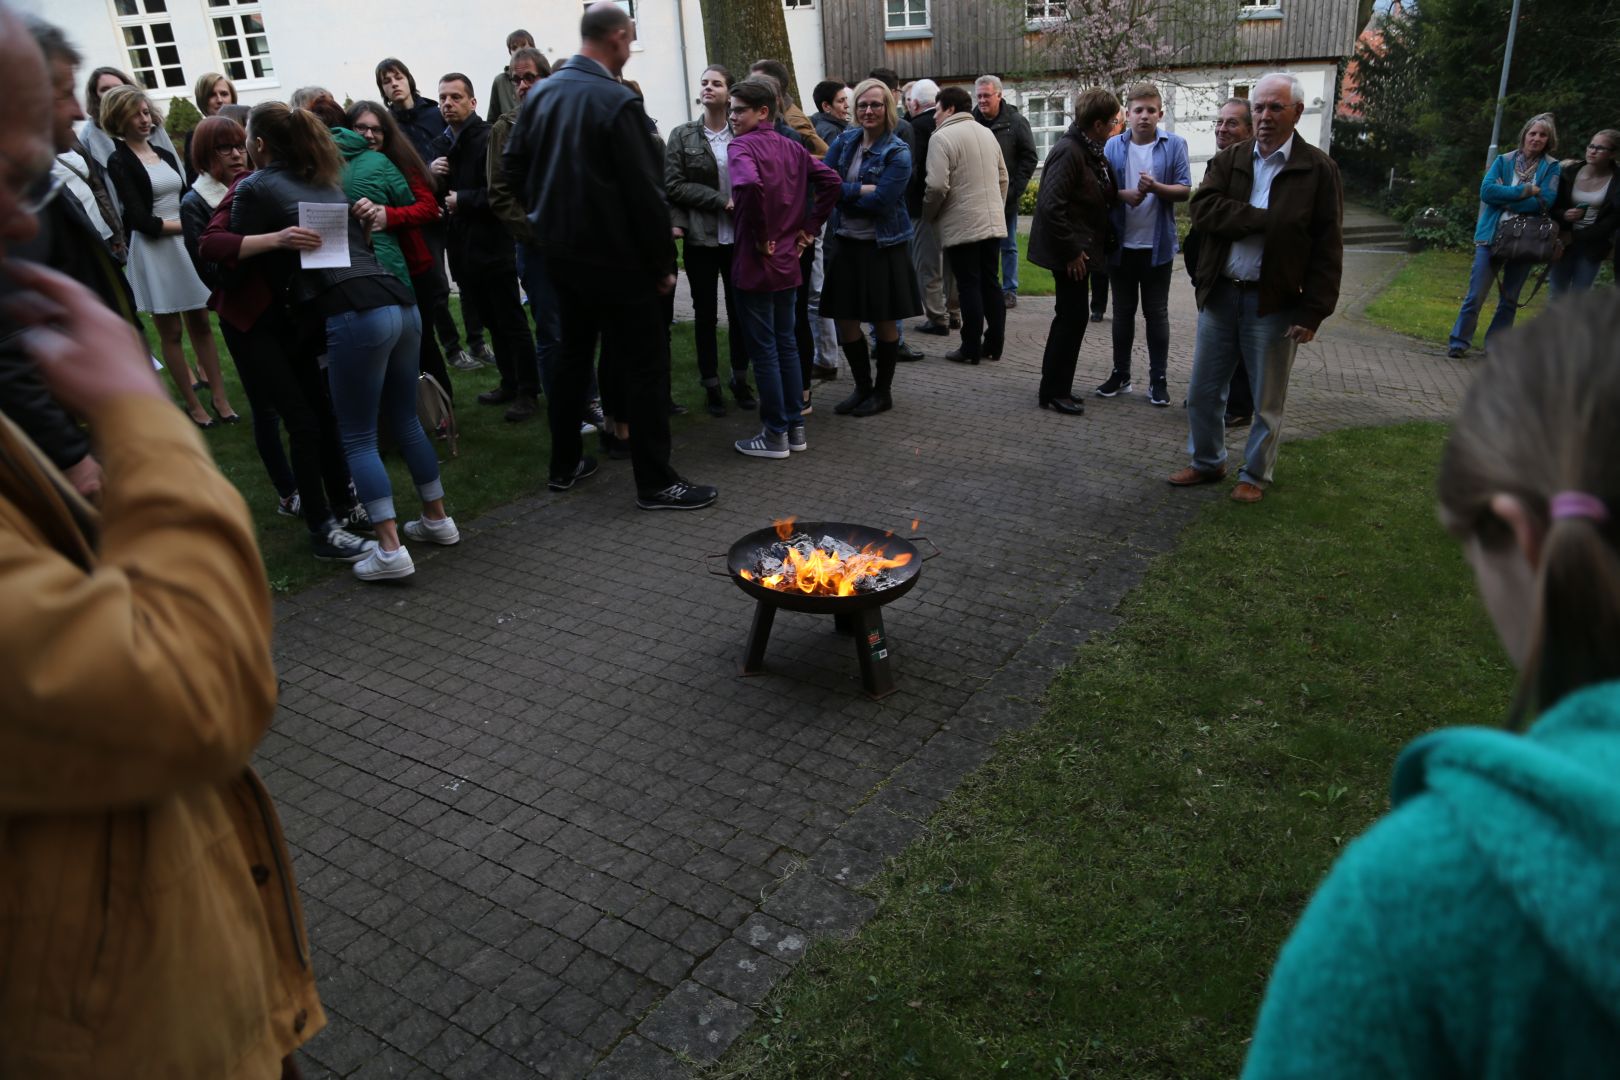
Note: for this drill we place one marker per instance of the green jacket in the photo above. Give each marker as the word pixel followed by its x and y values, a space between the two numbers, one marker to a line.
pixel 692 181
pixel 1475 930
pixel 369 175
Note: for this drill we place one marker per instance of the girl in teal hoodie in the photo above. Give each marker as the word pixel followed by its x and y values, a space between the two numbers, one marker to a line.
pixel 1475 930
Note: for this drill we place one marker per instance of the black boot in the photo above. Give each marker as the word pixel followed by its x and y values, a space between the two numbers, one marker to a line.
pixel 742 392
pixel 717 400
pixel 860 370
pixel 888 353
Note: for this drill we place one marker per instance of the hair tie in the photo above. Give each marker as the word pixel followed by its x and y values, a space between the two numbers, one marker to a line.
pixel 1577 504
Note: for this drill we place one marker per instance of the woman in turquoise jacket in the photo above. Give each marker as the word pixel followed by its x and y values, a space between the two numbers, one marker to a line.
pixel 1474 931
pixel 1522 181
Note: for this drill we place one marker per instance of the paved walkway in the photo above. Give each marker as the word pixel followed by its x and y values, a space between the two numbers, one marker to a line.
pixel 543 827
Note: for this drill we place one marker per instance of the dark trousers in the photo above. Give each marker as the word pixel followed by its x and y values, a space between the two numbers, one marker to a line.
pixel 627 320
pixel 803 340
pixel 1136 277
pixel 984 314
pixel 708 272
pixel 295 386
pixel 438 313
pixel 430 292
pixel 492 291
pixel 1064 338
pixel 266 421
pixel 1099 289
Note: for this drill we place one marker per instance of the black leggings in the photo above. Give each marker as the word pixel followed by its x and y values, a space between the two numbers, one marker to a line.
pixel 295 386
pixel 708 272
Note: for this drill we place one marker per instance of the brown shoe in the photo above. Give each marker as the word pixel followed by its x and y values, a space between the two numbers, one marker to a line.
pixel 1246 492
pixel 1191 477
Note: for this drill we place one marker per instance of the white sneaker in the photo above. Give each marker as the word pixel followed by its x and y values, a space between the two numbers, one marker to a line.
pixel 427 531
pixel 383 565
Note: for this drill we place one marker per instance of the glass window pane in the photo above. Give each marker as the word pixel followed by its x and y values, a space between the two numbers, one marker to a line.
pixel 262 69
pixel 156 7
pixel 231 49
pixel 134 35
pixel 253 24
pixel 168 54
pixel 173 77
pixel 126 8
pixel 162 32
pixel 258 46
pixel 225 27
pixel 147 79
pixel 141 58
pixel 219 3
pixel 235 69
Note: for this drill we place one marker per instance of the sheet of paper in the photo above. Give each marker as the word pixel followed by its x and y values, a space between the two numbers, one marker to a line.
pixel 331 220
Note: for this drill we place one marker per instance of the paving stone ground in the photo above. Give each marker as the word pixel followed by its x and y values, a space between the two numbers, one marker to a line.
pixel 541 824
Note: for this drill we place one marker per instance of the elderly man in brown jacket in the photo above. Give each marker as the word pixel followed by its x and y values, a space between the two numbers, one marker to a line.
pixel 965 198
pixel 1270 213
pixel 149 924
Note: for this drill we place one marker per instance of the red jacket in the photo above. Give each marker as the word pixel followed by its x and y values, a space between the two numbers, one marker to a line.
pixel 409 221
pixel 248 296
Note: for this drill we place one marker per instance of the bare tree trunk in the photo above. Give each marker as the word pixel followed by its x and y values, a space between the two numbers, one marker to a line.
pixel 738 32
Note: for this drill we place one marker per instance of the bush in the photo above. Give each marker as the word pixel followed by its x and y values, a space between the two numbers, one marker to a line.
pixel 1026 201
pixel 1449 226
pixel 183 117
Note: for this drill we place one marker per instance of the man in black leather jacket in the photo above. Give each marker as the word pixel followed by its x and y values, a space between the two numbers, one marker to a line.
pixel 482 257
pixel 66 241
pixel 592 182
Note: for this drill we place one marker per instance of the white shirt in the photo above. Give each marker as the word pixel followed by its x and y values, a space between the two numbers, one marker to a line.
pixel 718 142
pixel 72 168
pixel 1141 220
pixel 1243 261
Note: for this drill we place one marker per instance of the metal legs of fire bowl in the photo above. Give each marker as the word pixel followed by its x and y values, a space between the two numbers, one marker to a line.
pixel 866 627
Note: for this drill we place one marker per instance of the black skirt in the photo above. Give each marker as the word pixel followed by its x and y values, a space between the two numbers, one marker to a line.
pixel 870 284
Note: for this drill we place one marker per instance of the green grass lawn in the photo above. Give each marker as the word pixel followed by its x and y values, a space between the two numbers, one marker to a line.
pixel 1032 280
pixel 1423 299
pixel 1106 897
pixel 498 462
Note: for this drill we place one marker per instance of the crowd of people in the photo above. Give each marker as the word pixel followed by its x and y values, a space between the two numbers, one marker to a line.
pixel 152 920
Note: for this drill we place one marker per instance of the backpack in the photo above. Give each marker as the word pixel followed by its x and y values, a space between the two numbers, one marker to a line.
pixel 437 414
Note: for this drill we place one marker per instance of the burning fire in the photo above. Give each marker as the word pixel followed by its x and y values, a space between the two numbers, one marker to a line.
pixel 827 568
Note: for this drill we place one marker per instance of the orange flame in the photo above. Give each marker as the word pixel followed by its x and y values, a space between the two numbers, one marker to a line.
pixel 914 523
pixel 746 575
pixel 823 573
pixel 784 528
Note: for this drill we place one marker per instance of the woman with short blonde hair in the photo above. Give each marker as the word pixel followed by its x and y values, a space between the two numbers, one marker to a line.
pixel 213 91
pixel 891 115
pixel 166 286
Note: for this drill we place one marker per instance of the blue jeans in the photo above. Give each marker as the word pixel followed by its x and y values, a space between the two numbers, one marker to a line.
pixel 1575 272
pixel 1479 282
pixel 1233 333
pixel 767 326
pixel 1009 252
pixel 371 366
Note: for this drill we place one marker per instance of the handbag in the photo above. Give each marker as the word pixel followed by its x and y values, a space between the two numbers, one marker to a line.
pixel 1532 238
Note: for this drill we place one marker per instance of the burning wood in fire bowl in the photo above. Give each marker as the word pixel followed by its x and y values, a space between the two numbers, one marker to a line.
pixel 829 568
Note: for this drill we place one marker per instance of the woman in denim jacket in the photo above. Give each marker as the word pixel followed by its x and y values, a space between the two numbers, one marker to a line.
pixel 1522 181
pixel 870 276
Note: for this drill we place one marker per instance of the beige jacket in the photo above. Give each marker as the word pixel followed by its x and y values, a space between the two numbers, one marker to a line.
pixel 149 924
pixel 966 195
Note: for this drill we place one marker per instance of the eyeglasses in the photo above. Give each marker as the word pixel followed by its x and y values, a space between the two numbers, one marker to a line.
pixel 38 186
pixel 527 78
pixel 868 106
pixel 234 148
pixel 1600 148
pixel 368 129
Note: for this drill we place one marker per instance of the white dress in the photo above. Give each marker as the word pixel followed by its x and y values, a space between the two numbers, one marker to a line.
pixel 160 271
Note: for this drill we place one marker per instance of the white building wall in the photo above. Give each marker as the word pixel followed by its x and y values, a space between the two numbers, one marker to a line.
pixel 337 45
pixel 1193 98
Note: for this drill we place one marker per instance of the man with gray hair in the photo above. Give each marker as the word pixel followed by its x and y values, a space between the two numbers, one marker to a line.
pixel 1017 144
pixel 1271 214
pixel 926 254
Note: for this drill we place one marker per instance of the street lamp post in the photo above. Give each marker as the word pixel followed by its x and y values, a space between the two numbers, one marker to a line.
pixel 1501 90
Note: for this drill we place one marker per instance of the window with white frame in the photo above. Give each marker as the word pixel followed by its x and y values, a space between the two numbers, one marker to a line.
pixel 799 5
pixel 244 50
pixel 906 15
pixel 1048 116
pixel 148 35
pixel 1260 9
pixel 1046 11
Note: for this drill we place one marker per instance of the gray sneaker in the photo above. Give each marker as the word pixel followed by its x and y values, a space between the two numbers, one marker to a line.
pixel 796 438
pixel 766 445
pixel 380 565
pixel 461 360
pixel 484 355
pixel 340 546
pixel 427 531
